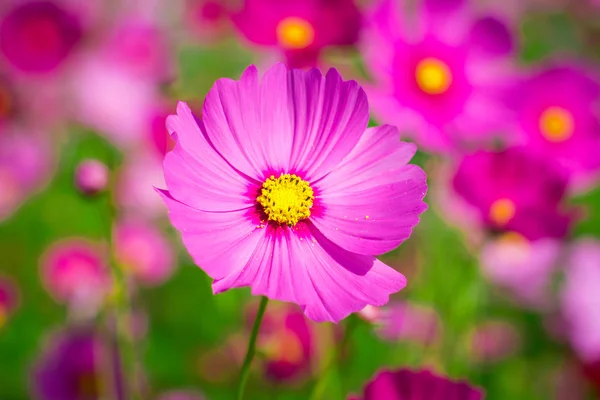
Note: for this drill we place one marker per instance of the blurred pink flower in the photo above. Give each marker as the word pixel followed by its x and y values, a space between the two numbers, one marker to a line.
pixel 559 116
pixel 524 267
pixel 408 321
pixel 515 190
pixel 91 176
pixel 143 251
pixel 207 19
pixel 301 29
pixel 181 395
pixel 74 272
pixel 25 166
pixel 9 299
pixel 405 384
pixel 443 76
pixel 302 193
pixel 580 299
pixel 37 36
pixel 493 341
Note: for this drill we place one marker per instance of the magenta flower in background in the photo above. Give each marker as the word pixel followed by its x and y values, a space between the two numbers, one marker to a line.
pixel 580 300
pixel 143 251
pixel 300 29
pixel 558 116
pixel 282 187
pixel 287 340
pixel 9 299
pixel 37 36
pixel 405 384
pixel 514 190
pixel 443 76
pixel 207 19
pixel 8 101
pixel 73 271
pixel 91 176
pixel 408 321
pixel 493 340
pixel 524 267
pixel 70 367
pixel 25 167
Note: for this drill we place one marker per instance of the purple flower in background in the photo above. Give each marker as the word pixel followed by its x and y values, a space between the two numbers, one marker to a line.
pixel 37 36
pixel 301 29
pixel 181 395
pixel 143 251
pixel 443 77
pixel 408 321
pixel 91 176
pixel 580 300
pixel 514 190
pixel 493 340
pixel 9 299
pixel 405 384
pixel 559 116
pixel 282 187
pixel 524 267
pixel 71 367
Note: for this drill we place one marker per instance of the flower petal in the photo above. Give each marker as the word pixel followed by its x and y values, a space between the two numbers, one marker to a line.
pixel 304 267
pixel 219 242
pixel 372 200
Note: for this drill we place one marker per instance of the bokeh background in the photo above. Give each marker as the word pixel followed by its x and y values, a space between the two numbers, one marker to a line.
pixel 505 295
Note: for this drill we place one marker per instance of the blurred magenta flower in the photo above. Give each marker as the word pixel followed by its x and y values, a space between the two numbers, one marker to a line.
pixel 25 167
pixel 405 384
pixel 524 267
pixel 408 321
pixel 71 367
pixel 181 395
pixel 580 300
pixel 558 116
pixel 37 36
pixel 282 187
pixel 442 76
pixel 91 176
pixel 514 190
pixel 74 271
pixel 8 102
pixel 287 341
pixel 493 340
pixel 300 29
pixel 143 251
pixel 207 19
pixel 9 299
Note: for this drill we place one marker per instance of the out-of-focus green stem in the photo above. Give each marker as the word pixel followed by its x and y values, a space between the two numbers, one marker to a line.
pixel 251 347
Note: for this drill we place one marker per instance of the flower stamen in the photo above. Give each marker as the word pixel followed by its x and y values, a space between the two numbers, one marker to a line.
pixel 433 76
pixel 287 199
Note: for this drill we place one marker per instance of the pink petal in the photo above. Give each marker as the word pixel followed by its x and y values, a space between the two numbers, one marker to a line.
pixel 219 242
pixel 304 267
pixel 199 176
pixel 372 200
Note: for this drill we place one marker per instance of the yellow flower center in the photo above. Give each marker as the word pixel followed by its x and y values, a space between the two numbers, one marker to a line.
pixel 556 124
pixel 287 199
pixel 295 33
pixel 502 211
pixel 284 346
pixel 433 76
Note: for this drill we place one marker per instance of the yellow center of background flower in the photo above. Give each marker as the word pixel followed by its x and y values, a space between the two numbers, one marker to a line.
pixel 295 33
pixel 287 199
pixel 433 76
pixel 556 124
pixel 284 346
pixel 502 211
pixel 88 385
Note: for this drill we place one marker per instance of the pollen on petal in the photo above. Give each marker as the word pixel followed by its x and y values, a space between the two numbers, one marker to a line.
pixel 556 124
pixel 286 199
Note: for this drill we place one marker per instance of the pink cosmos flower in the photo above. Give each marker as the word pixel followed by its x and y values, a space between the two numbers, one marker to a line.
pixel 91 176
pixel 37 36
pixel 9 299
pixel 524 267
pixel 408 321
pixel 301 29
pixel 515 190
pixel 558 116
pixel 442 73
pixel 405 384
pixel 580 300
pixel 142 250
pixel 493 341
pixel 281 187
pixel 74 271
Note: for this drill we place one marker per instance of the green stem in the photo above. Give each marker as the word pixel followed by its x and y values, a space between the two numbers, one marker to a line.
pixel 251 347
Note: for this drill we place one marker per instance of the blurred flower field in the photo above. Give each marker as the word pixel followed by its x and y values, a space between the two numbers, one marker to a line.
pixel 167 166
